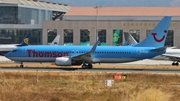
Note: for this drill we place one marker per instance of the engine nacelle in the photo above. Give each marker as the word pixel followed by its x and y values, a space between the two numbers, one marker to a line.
pixel 63 61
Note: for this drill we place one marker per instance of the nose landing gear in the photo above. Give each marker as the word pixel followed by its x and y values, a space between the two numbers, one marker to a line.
pixel 21 66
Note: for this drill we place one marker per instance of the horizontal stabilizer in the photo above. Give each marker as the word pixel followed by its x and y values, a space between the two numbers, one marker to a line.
pixel 158 49
pixel 172 47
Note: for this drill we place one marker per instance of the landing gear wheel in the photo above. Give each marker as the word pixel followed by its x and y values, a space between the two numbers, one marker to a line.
pixel 21 66
pixel 87 66
pixel 177 64
pixel 90 66
pixel 84 66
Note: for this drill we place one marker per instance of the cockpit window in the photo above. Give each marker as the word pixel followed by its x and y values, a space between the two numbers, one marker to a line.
pixel 14 51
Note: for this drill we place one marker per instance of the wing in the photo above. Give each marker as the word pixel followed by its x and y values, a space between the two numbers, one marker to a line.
pixel 172 47
pixel 86 56
pixel 172 57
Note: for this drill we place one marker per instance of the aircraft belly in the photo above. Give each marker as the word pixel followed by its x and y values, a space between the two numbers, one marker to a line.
pixel 95 60
pixel 114 60
pixel 159 57
pixel 33 59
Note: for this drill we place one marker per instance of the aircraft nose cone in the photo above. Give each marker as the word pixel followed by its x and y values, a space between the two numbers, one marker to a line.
pixel 7 55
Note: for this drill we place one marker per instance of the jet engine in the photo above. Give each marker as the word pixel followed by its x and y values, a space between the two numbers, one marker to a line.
pixel 66 61
pixel 63 61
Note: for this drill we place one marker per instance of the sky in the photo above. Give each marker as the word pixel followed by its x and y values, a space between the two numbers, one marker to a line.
pixel 118 2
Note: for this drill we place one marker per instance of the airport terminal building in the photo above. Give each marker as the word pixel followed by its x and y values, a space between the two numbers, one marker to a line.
pixel 19 17
pixel 81 25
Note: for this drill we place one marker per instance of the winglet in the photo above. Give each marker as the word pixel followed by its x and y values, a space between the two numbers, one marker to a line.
pixel 94 46
pixel 56 40
pixel 25 41
pixel 87 54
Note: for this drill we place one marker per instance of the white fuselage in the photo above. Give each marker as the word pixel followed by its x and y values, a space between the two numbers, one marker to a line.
pixel 7 48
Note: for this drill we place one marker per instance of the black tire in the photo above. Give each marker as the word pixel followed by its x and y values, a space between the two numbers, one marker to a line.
pixel 83 66
pixel 177 64
pixel 21 66
pixel 173 64
pixel 90 66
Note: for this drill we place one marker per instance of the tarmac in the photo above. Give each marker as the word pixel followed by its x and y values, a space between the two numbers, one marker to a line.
pixel 140 62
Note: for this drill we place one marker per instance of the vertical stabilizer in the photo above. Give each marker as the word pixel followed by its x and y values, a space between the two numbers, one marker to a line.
pixel 157 37
pixel 129 40
pixel 56 40
pixel 25 41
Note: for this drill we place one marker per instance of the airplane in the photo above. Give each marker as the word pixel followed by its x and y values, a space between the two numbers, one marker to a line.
pixel 56 40
pixel 171 54
pixel 129 40
pixel 9 47
pixel 150 47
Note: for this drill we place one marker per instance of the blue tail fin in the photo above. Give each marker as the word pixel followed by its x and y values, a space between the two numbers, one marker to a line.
pixel 157 37
pixel 25 41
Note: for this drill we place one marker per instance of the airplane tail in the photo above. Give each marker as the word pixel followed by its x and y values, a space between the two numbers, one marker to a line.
pixel 56 40
pixel 129 40
pixel 157 37
pixel 25 41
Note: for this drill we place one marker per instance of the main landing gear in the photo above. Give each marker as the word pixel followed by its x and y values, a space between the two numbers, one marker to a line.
pixel 87 66
pixel 175 63
pixel 21 66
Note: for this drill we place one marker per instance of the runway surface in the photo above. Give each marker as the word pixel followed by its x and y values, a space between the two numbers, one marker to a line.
pixel 5 65
pixel 109 70
pixel 140 62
